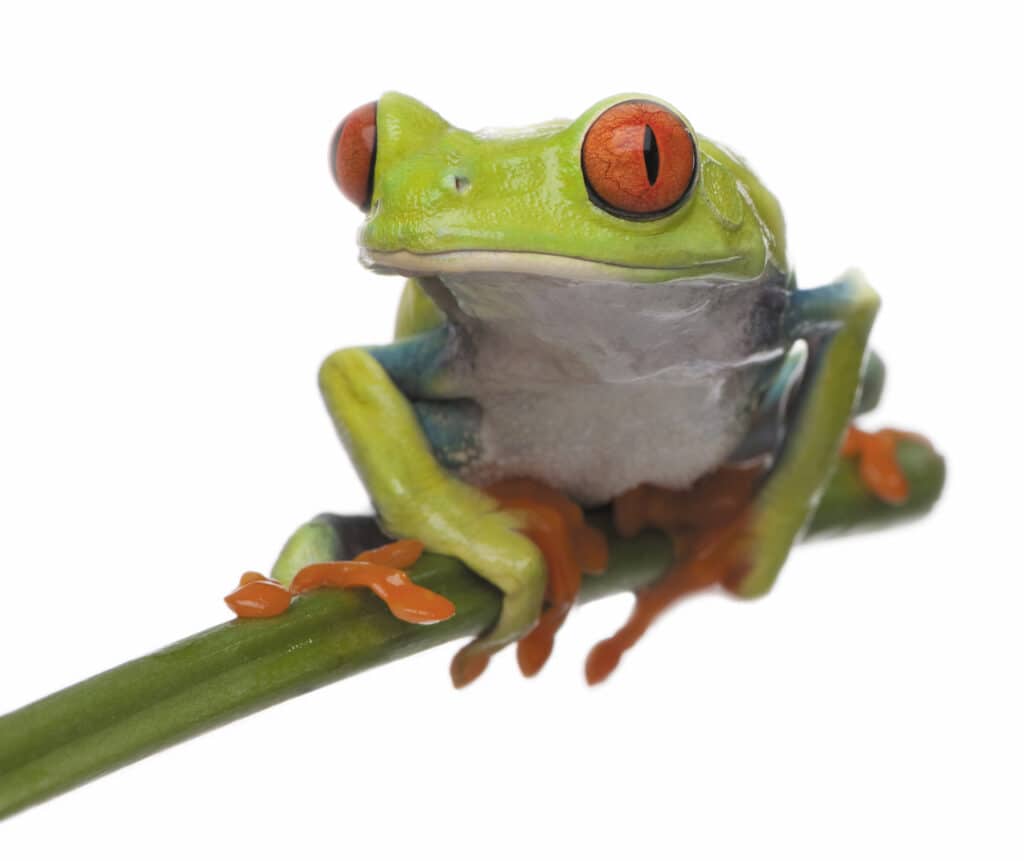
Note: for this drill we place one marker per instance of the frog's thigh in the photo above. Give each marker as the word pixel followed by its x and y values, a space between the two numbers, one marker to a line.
pixel 835 320
pixel 326 538
pixel 415 497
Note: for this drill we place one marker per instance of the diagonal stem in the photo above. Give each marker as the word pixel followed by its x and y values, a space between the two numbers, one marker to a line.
pixel 237 668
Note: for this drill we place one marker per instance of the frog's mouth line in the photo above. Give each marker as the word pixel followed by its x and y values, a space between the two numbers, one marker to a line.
pixel 413 264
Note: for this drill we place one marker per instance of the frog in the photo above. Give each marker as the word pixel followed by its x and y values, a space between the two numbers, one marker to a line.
pixel 597 312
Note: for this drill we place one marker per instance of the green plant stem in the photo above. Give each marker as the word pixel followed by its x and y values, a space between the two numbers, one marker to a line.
pixel 242 666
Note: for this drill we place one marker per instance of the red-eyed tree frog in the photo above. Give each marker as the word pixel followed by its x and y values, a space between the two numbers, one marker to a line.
pixel 597 312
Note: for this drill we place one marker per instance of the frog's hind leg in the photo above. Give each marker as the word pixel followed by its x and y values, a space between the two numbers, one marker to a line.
pixel 746 552
pixel 707 524
pixel 326 538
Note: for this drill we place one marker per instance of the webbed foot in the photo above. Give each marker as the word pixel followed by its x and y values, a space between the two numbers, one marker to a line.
pixel 709 528
pixel 570 547
pixel 379 569
pixel 877 464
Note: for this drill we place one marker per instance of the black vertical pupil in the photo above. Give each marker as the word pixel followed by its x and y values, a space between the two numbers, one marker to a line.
pixel 652 159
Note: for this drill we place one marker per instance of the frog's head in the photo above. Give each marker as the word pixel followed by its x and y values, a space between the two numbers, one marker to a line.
pixel 627 192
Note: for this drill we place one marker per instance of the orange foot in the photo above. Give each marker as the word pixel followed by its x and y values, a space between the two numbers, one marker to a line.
pixel 708 527
pixel 570 547
pixel 379 569
pixel 877 464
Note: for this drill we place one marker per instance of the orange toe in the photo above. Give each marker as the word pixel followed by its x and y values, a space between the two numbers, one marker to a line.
pixel 405 600
pixel 467 667
pixel 715 556
pixel 603 659
pixel 570 547
pixel 533 651
pixel 708 525
pixel 877 463
pixel 398 554
pixel 258 597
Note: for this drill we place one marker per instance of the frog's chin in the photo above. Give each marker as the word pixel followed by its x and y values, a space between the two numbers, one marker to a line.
pixel 416 264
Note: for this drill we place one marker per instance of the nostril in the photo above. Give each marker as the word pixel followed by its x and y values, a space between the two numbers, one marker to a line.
pixel 461 184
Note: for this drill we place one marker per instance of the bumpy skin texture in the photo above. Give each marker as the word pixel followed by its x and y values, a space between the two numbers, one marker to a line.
pixel 543 336
pixel 524 191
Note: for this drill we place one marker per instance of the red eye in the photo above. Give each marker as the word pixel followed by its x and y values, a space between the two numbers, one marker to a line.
pixel 639 160
pixel 353 152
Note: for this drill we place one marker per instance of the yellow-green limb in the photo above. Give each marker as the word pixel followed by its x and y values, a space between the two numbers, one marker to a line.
pixel 835 321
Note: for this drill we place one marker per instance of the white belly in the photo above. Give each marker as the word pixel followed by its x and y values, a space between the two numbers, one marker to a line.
pixel 596 387
pixel 597 441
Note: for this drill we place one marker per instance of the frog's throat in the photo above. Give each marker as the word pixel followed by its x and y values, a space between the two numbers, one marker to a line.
pixel 413 264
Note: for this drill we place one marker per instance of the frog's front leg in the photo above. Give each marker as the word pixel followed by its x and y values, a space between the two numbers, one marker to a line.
pixel 745 550
pixel 835 321
pixel 416 497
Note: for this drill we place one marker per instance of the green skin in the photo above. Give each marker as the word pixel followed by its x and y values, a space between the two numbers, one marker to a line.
pixel 448 204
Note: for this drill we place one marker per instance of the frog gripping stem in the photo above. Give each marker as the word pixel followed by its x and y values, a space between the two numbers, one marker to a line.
pixel 242 666
pixel 379 570
pixel 570 547
pixel 621 325
pixel 877 464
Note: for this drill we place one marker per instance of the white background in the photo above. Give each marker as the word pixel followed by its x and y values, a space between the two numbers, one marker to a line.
pixel 175 261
